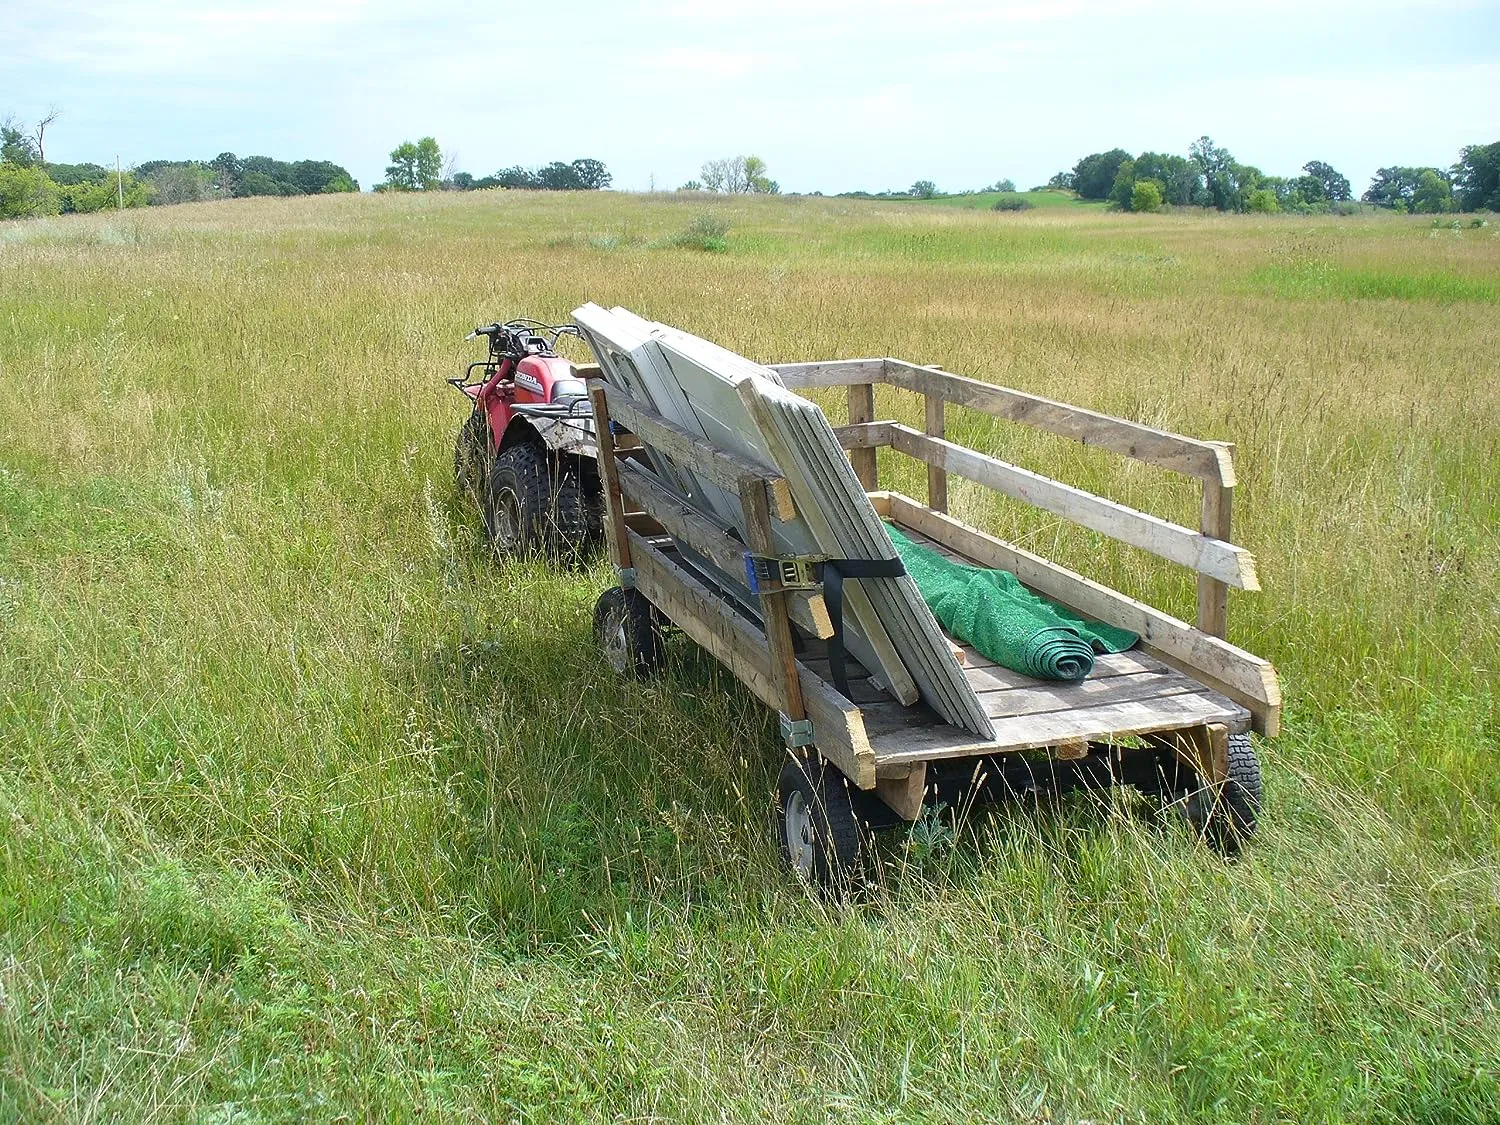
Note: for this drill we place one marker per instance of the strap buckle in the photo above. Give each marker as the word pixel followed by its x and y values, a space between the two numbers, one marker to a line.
pixel 770 574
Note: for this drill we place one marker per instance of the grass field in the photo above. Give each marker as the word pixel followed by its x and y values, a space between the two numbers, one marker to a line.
pixel 986 200
pixel 313 812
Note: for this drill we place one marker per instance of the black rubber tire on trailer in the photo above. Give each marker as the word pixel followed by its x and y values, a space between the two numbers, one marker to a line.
pixel 818 828
pixel 471 456
pixel 629 632
pixel 527 512
pixel 1227 819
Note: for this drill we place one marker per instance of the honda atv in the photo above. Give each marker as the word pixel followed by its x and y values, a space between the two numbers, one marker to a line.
pixel 526 452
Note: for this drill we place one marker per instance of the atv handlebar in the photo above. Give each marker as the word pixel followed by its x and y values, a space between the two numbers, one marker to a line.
pixel 523 326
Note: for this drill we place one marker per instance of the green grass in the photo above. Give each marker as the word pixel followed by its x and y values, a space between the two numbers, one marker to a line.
pixel 986 200
pixel 312 811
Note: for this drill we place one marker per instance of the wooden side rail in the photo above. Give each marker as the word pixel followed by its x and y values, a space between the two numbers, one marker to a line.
pixel 1210 462
pixel 1213 557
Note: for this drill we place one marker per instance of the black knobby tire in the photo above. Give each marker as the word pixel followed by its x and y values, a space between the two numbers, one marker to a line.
pixel 818 829
pixel 629 632
pixel 1227 818
pixel 527 511
pixel 471 456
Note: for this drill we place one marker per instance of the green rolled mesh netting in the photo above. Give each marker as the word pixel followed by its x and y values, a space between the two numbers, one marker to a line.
pixel 1015 628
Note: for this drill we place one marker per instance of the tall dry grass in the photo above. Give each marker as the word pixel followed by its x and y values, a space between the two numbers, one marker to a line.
pixel 310 810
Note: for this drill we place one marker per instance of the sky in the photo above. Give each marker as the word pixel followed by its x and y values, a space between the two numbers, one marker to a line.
pixel 835 95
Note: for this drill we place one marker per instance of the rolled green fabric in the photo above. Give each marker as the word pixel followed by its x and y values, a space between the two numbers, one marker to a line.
pixel 1015 628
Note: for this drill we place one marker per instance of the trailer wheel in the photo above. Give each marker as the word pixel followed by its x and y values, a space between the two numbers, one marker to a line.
pixel 1226 819
pixel 819 831
pixel 471 453
pixel 626 627
pixel 526 511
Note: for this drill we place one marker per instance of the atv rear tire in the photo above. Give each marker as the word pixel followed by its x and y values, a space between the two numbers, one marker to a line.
pixel 629 633
pixel 471 456
pixel 1226 819
pixel 528 512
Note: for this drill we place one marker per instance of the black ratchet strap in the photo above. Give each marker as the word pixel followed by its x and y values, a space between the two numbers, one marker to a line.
pixel 834 573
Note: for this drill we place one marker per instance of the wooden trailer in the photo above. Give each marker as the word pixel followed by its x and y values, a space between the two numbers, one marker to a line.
pixel 1172 716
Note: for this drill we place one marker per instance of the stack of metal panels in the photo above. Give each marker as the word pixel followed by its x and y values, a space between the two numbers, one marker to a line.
pixel 741 407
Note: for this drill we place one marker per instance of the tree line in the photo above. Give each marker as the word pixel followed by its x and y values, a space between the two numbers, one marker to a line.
pixel 1209 176
pixel 32 185
pixel 419 166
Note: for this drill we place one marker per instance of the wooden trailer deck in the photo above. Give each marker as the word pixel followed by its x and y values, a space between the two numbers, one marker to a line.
pixel 1126 694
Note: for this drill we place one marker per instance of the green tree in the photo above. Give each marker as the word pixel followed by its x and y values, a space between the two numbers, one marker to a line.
pixel 591 175
pixel 106 194
pixel 922 189
pixel 1226 183
pixel 415 166
pixel 1396 186
pixel 15 146
pixel 1335 187
pixel 1119 192
pixel 27 192
pixel 1476 177
pixel 756 180
pixel 1177 176
pixel 1003 185
pixel 1145 195
pixel 1093 177
pixel 1263 201
pixel 1434 194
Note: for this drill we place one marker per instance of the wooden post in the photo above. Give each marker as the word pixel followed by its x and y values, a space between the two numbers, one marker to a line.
pixel 773 606
pixel 614 502
pixel 937 477
pixel 862 409
pixel 1213 595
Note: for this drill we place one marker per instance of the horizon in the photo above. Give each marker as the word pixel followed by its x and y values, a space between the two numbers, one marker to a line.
pixel 834 96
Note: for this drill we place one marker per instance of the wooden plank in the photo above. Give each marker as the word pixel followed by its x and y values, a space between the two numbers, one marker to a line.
pixel 713 542
pixel 1213 595
pixel 837 724
pixel 690 451
pixel 937 476
pixel 904 794
pixel 1244 678
pixel 829 373
pixel 867 435
pixel 903 742
pixel 1030 702
pixel 862 412
pixel 1170 541
pixel 1205 749
pixel 1203 459
pixel 614 504
pixel 588 371
pixel 773 604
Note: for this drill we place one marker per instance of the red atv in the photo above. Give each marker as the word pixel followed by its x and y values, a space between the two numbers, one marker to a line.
pixel 526 453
